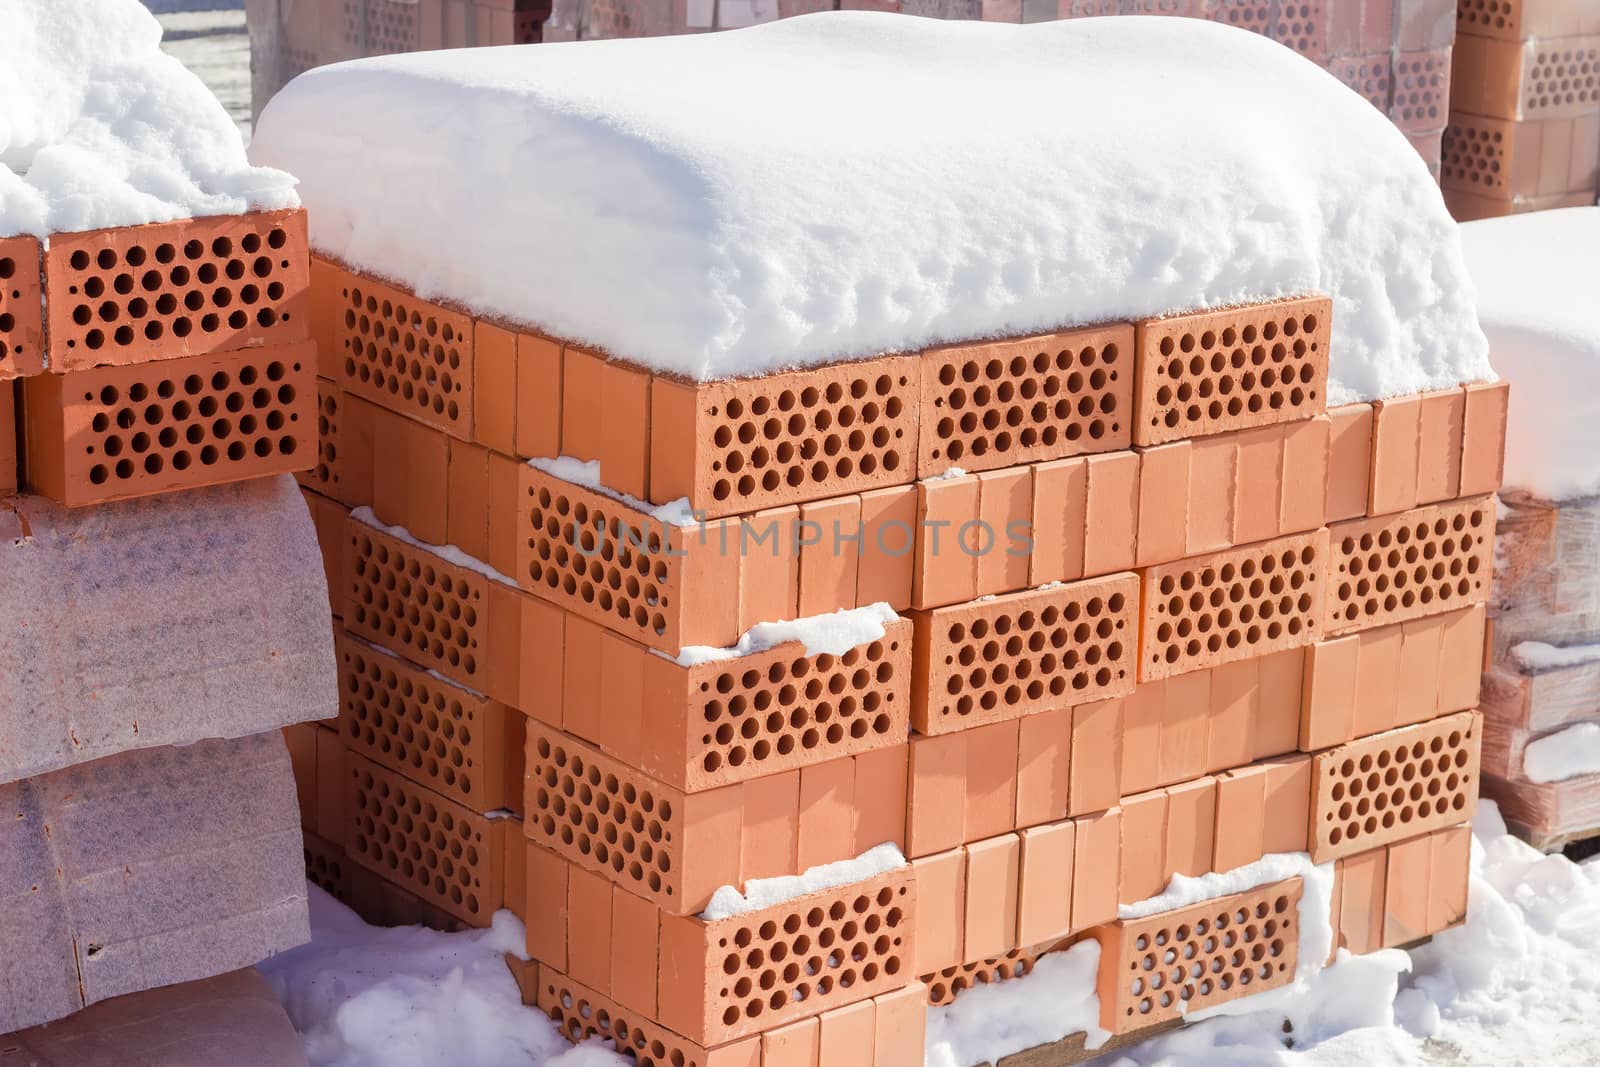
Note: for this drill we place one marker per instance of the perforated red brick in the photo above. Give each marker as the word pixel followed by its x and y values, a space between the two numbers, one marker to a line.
pixel 169 289
pixel 446 854
pixel 405 598
pixel 1024 652
pixel 1037 398
pixel 1557 77
pixel 383 27
pixel 1252 15
pixel 328 477
pixel 1562 78
pixel 1207 372
pixel 733 977
pixel 944 986
pixel 1175 962
pixel 1516 20
pixel 739 446
pixel 327 867
pixel 1420 562
pixel 731 720
pixel 117 432
pixel 1478 154
pixel 21 308
pixel 662 585
pixel 1421 90
pixel 1370 75
pixel 1303 26
pixel 580 1014
pixel 452 740
pixel 407 354
pixel 1395 785
pixel 1233 605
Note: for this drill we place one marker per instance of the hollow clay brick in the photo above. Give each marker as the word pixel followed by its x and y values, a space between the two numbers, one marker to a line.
pixel 941 910
pixel 589 929
pixel 769 567
pixel 1449 869
pixel 1258 485
pixel 1509 161
pixel 1406 892
pixel 1097 846
pixel 944 572
pixel 1213 470
pixel 1185 727
pixel 1143 982
pixel 1144 837
pixel 991 780
pixel 665 586
pixel 881 791
pixel 1524 79
pixel 581 1013
pixel 1163 480
pixel 1044 901
pixel 343 471
pixel 1096 755
pixel 718 980
pixel 1241 819
pixel 1517 20
pixel 1396 567
pixel 624 445
pixel 1307 462
pixel 1421 101
pixel 444 853
pixel 1233 605
pixel 796 1044
pixel 170 289
pixel 1044 756
pixel 1005 508
pixel 494 387
pixel 770 827
pixel 1441 422
pixel 1394 785
pixel 1007 403
pixel 538 397
pixel 1484 438
pixel 467 500
pixel 901 1026
pixel 21 308
pixel 9 469
pixel 1207 372
pixel 829 555
pixel 1289 784
pixel 118 432
pixel 1191 825
pixel 993 884
pixel 888 547
pixel 1060 516
pixel 437 734
pixel 845 1034
pixel 1349 461
pixel 406 354
pixel 1231 723
pixel 1277 714
pixel 946 985
pixel 1112 513
pixel 737 446
pixel 937 793
pixel 160 621
pixel 1023 652
pixel 1396 444
pixel 332 793
pixel 1360 890
pixel 547 877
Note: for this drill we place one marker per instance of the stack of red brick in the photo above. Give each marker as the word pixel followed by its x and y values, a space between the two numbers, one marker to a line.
pixel 289 37
pixel 1170 615
pixel 1524 130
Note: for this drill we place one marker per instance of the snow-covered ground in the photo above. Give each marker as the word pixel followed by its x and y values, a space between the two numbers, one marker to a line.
pixel 1517 984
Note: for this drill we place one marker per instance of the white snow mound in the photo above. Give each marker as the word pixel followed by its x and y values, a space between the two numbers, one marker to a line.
pixel 1570 753
pixel 99 128
pixel 850 183
pixel 760 893
pixel 1537 275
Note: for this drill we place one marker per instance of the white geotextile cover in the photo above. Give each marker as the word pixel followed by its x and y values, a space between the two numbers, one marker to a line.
pixel 159 621
pixel 1538 279
pixel 146 869
pixel 850 183
pixel 98 127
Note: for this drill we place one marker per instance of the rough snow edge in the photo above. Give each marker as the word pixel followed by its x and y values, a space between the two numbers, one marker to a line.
pixel 586 473
pixel 1570 753
pixel 831 635
pixel 760 893
pixel 1536 656
pixel 448 553
pixel 988 1022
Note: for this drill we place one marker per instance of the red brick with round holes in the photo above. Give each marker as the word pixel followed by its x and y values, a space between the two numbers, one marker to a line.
pixel 452 740
pixel 1369 75
pixel 739 446
pixel 1233 605
pixel 446 854
pixel 1002 404
pixel 1395 785
pixel 730 720
pixel 1537 79
pixel 116 432
pixel 1303 26
pixel 580 1013
pixel 728 978
pixel 21 308
pixel 1421 100
pixel 944 986
pixel 1517 20
pixel 1420 562
pixel 664 586
pixel 1010 655
pixel 1211 371
pixel 405 598
pixel 168 289
pixel 1166 965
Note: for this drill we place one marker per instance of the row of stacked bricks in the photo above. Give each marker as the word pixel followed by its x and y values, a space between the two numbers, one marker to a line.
pixel 289 37
pixel 1159 610
pixel 134 362
pixel 1524 131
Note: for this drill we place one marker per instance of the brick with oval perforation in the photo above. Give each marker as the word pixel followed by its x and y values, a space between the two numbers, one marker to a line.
pixel 739 446
pixel 988 406
pixel 580 1013
pixel 1395 785
pixel 1420 562
pixel 1170 964
pixel 168 289
pixel 1006 656
pixel 1206 372
pixel 1233 605
pixel 730 720
pixel 663 585
pixel 111 433
pixel 21 308
pixel 454 741
pixel 409 355
pixel 725 979
pixel 1546 78
pixel 447 854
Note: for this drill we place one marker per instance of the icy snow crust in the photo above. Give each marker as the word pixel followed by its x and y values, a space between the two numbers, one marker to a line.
pixel 99 128
pixel 1537 276
pixel 851 183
